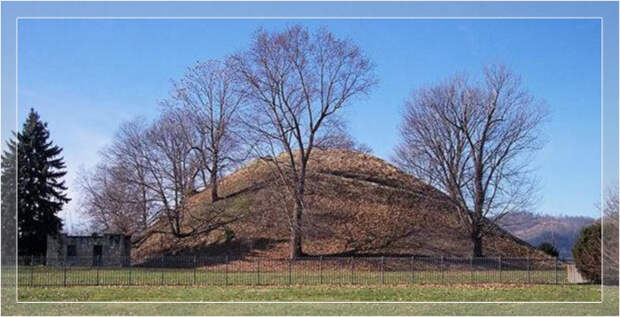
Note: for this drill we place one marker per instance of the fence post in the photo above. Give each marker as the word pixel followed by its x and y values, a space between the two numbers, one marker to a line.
pixel 162 271
pixel 556 270
pixel 289 271
pixel 130 270
pixel 194 271
pixel 352 269
pixel 31 269
pixel 382 270
pixel 441 269
pixel 528 269
pixel 258 271
pixel 500 269
pixel 64 273
pixel 412 274
pixel 471 268
pixel 321 269
pixel 97 268
pixel 226 271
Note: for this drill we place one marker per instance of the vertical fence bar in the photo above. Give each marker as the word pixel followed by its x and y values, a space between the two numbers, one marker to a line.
pixel 321 269
pixel 471 269
pixel 499 260
pixel 563 268
pixel 289 271
pixel 412 274
pixel 555 268
pixel 258 271
pixel 130 271
pixel 528 269
pixel 441 270
pixel 97 275
pixel 352 270
pixel 64 273
pixel 31 270
pixel 162 271
pixel 226 270
pixel 194 277
pixel 382 270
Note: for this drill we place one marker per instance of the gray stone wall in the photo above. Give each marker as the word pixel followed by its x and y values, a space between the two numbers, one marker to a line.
pixel 116 250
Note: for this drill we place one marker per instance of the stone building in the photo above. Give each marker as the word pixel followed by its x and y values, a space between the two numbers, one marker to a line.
pixel 95 250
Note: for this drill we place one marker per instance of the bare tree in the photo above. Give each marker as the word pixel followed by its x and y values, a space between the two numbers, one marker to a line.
pixel 111 203
pixel 295 83
pixel 127 158
pixel 147 176
pixel 170 167
pixel 116 195
pixel 209 98
pixel 338 137
pixel 473 141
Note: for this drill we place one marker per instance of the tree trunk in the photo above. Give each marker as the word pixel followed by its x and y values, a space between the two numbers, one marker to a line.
pixel 295 250
pixel 213 176
pixel 477 244
pixel 145 210
pixel 213 180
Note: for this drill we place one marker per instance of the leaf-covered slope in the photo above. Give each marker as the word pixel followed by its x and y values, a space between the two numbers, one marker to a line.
pixel 356 204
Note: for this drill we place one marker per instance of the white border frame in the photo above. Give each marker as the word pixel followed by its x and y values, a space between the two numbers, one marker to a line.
pixel 600 18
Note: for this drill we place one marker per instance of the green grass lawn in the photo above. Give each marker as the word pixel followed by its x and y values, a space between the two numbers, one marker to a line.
pixel 398 293
pixel 392 293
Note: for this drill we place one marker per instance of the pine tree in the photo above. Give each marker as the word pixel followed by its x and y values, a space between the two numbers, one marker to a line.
pixel 9 191
pixel 41 190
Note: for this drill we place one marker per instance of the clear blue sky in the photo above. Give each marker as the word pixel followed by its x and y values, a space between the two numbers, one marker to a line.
pixel 87 76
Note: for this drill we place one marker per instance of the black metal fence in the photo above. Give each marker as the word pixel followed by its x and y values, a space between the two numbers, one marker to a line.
pixel 202 270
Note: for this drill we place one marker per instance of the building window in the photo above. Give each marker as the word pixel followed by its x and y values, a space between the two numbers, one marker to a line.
pixel 71 250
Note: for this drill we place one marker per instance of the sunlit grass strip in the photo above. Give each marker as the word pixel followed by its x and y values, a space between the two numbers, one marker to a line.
pixel 369 293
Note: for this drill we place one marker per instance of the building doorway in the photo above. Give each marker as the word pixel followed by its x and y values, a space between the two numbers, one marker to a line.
pixel 97 255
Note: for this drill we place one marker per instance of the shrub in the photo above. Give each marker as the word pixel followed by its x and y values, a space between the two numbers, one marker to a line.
pixel 587 252
pixel 229 234
pixel 610 238
pixel 548 248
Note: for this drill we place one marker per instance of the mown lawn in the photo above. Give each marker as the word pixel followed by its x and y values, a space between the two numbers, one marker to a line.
pixel 393 293
pixel 398 293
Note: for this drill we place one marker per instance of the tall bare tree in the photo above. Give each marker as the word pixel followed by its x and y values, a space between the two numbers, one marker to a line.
pixel 147 175
pixel 170 167
pixel 474 140
pixel 210 99
pixel 295 83
pixel 113 204
pixel 116 192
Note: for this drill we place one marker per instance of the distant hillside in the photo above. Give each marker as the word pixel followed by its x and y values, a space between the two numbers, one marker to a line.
pixel 561 231
pixel 356 204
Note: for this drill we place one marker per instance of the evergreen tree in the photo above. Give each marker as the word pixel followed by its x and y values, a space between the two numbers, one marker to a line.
pixel 548 248
pixel 41 190
pixel 587 252
pixel 9 191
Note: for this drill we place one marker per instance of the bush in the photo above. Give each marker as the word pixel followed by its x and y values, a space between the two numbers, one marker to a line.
pixel 548 248
pixel 610 238
pixel 587 252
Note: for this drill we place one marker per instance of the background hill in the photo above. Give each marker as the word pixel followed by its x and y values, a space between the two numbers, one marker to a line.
pixel 561 231
pixel 356 204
